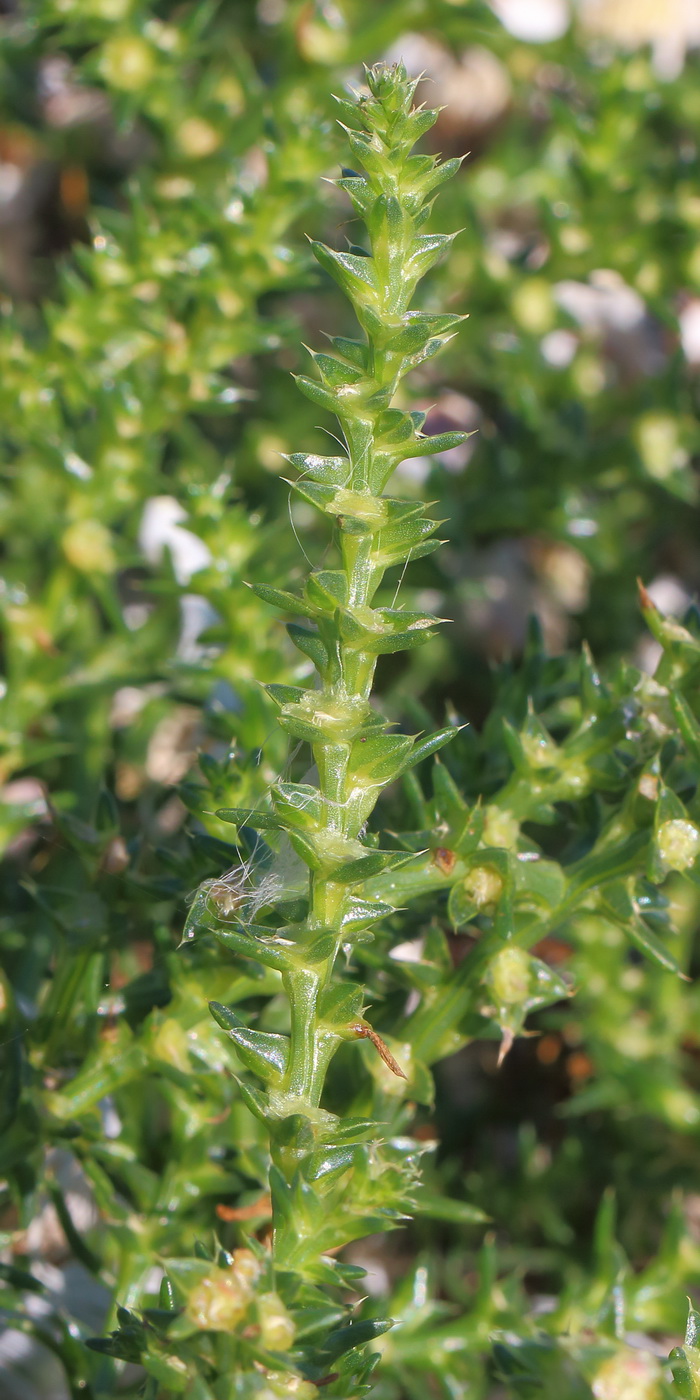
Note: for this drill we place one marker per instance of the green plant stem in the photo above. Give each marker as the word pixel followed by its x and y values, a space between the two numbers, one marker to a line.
pixel 304 1079
pixel 354 755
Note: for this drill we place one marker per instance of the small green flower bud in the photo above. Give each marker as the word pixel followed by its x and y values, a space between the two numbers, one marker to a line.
pixel 219 1302
pixel 484 885
pixel 540 752
pixel 246 1266
pixel 127 63
pixel 509 976
pixel 678 842
pixel 277 1331
pixel 500 828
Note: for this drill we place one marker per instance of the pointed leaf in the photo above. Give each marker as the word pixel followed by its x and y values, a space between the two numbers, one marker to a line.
pixel 279 598
pixel 432 446
pixel 262 1052
pixel 271 953
pixel 326 589
pixel 299 804
pixel 360 913
pixel 365 866
pixel 428 248
pixel 353 274
pixel 311 644
pixel 357 1334
pixel 331 471
pixel 380 758
pixel 423 748
pixel 245 816
pixel 325 398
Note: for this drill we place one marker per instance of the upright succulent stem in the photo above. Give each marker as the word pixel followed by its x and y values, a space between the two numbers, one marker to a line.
pixel 345 633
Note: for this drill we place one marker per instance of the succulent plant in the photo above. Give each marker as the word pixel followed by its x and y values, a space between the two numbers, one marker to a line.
pixel 504 963
pixel 334 1179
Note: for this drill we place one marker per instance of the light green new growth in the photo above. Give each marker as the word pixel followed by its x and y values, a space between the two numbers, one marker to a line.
pixel 344 634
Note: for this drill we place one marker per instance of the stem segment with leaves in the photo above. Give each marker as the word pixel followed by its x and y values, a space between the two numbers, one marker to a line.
pixel 344 633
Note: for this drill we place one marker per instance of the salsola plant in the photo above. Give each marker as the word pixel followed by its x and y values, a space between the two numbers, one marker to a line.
pixel 333 1179
pixel 278 1321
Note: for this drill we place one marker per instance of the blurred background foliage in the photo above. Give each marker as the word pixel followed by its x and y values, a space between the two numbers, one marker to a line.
pixel 160 165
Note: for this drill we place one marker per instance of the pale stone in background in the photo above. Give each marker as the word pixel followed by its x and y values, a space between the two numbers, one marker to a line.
pixel 536 21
